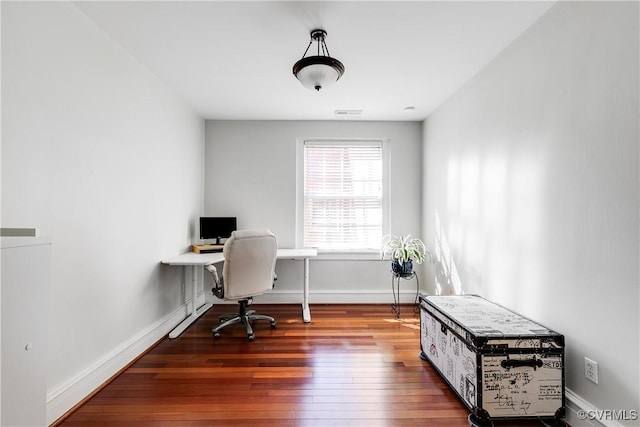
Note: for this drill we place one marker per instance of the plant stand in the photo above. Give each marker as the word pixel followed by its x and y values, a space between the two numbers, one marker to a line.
pixel 395 288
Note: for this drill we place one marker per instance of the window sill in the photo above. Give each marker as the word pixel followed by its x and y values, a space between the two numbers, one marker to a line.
pixel 325 255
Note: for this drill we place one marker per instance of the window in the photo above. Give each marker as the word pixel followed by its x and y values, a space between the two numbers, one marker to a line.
pixel 342 195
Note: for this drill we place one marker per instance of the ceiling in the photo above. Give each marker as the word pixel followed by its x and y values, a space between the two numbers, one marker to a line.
pixel 232 60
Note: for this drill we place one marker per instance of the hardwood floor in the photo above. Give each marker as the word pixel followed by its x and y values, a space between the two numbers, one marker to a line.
pixel 353 365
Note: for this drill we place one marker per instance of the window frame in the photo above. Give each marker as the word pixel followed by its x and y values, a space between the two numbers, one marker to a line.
pixel 365 254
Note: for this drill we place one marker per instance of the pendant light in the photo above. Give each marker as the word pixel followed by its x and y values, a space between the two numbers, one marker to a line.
pixel 315 72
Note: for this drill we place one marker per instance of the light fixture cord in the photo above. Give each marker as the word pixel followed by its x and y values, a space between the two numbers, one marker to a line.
pixel 325 49
pixel 321 45
pixel 305 52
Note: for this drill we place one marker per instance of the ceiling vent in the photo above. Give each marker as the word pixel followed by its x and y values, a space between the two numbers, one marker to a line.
pixel 345 113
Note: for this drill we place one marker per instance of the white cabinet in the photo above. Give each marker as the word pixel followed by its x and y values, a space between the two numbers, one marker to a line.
pixel 24 296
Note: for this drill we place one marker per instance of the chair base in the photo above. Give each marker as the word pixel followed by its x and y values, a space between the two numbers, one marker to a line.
pixel 245 317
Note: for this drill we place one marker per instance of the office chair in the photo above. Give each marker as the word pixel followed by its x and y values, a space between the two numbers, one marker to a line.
pixel 248 271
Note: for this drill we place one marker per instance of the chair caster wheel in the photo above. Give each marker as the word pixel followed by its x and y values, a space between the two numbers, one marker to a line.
pixel 216 334
pixel 553 423
pixel 251 337
pixel 475 421
pixel 273 324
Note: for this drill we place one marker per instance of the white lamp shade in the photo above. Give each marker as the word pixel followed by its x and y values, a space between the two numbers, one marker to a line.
pixel 316 72
pixel 317 76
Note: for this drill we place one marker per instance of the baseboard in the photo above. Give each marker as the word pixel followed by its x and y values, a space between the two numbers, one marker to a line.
pixel 334 297
pixel 581 413
pixel 63 397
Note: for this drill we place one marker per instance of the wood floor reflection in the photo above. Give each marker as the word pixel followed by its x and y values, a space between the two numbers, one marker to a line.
pixel 353 365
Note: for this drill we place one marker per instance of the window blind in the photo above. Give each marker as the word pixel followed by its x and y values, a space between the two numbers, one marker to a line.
pixel 343 195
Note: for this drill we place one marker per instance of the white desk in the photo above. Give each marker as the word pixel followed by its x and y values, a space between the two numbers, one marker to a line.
pixel 194 260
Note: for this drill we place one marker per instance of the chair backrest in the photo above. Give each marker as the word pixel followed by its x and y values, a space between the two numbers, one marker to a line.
pixel 249 263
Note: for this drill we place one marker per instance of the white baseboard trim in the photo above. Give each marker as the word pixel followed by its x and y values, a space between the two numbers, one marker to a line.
pixel 66 395
pixel 581 413
pixel 334 297
pixel 63 397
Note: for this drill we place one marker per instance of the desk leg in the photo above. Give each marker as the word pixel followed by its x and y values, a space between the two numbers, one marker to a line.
pixel 195 312
pixel 306 313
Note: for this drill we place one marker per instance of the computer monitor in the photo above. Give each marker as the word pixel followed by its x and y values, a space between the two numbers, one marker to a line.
pixel 217 227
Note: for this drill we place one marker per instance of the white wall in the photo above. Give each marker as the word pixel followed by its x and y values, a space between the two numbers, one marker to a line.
pixel 532 168
pixel 104 160
pixel 250 173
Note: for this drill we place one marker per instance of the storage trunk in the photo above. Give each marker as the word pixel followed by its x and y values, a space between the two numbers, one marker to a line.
pixel 500 364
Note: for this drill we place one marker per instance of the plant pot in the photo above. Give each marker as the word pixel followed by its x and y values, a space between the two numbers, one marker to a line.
pixel 403 269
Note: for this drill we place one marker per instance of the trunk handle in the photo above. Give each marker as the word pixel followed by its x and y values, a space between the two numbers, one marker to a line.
pixel 515 363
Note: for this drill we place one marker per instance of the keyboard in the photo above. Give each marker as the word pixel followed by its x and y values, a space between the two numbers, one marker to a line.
pixel 210 251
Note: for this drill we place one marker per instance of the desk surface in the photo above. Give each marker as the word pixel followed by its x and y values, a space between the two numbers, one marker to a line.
pixel 192 258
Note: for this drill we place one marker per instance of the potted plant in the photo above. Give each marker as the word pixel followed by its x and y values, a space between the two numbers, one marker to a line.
pixel 403 251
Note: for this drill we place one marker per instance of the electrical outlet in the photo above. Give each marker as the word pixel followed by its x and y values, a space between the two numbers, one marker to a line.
pixel 591 370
